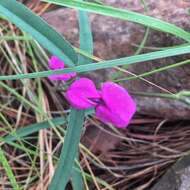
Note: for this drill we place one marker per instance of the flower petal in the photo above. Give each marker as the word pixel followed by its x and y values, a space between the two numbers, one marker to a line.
pixel 118 106
pixel 106 116
pixel 82 94
pixel 54 64
pixel 64 77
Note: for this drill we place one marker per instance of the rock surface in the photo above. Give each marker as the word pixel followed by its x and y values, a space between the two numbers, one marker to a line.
pixel 176 178
pixel 115 38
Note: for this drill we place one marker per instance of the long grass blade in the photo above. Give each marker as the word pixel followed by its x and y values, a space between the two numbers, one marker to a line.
pixel 8 170
pixel 85 36
pixel 125 15
pixel 69 150
pixel 76 176
pixel 77 180
pixel 105 64
pixel 25 19
pixel 161 69
pixel 86 44
pixel 22 132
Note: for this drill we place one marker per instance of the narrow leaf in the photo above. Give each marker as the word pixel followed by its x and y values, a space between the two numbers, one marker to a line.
pixel 8 170
pixel 86 44
pixel 25 19
pixel 33 128
pixel 69 150
pixel 161 69
pixel 77 180
pixel 105 64
pixel 125 15
pixel 76 175
pixel 85 36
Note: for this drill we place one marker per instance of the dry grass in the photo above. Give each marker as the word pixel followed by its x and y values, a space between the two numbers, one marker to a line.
pixel 126 159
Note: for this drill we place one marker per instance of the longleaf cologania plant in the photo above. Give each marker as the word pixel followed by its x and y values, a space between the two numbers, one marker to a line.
pixel 112 104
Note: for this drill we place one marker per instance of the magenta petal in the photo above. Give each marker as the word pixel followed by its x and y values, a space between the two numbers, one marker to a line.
pixel 64 77
pixel 82 94
pixel 54 64
pixel 118 106
pixel 106 116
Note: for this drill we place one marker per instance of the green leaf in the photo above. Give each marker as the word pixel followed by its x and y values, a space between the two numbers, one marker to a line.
pixel 8 170
pixel 85 36
pixel 125 15
pixel 25 19
pixel 69 150
pixel 33 128
pixel 161 69
pixel 76 175
pixel 77 179
pixel 105 64
pixel 86 44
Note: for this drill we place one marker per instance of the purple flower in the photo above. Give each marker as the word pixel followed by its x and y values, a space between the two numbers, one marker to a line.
pixel 82 94
pixel 113 104
pixel 55 63
pixel 117 106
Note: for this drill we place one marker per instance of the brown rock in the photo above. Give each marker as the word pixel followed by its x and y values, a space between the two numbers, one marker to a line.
pixel 114 38
pixel 177 177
